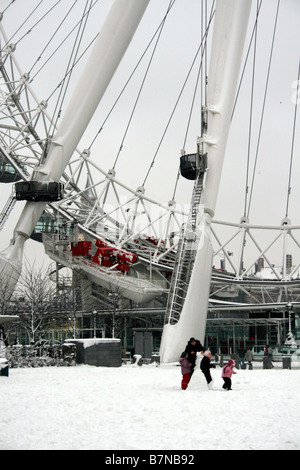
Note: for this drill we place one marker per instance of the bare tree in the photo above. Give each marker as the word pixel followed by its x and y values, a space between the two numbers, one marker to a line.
pixel 7 307
pixel 110 307
pixel 5 296
pixel 35 302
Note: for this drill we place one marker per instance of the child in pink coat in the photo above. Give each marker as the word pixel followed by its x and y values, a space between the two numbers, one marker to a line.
pixel 227 372
pixel 185 370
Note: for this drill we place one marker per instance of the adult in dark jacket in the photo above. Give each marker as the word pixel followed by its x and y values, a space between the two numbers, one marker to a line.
pixel 206 365
pixel 191 349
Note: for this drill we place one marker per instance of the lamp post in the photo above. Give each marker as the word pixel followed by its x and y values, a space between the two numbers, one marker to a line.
pixel 290 339
pixel 95 322
pixel 115 298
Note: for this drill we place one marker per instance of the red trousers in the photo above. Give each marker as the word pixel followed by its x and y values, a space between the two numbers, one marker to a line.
pixel 185 381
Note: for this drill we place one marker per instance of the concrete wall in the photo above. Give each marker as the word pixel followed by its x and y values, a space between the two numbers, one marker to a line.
pixel 104 352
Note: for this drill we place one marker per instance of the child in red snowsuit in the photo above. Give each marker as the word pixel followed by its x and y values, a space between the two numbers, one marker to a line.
pixel 185 370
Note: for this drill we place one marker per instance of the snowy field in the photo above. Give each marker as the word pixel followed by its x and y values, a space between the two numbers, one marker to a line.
pixel 143 408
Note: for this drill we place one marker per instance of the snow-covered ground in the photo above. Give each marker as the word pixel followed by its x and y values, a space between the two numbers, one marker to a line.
pixel 134 408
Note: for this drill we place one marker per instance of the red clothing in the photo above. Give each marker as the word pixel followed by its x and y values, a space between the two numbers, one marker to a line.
pixel 185 381
pixel 186 372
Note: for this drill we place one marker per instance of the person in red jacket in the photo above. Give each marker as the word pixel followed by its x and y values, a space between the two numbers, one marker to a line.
pixel 227 372
pixel 186 368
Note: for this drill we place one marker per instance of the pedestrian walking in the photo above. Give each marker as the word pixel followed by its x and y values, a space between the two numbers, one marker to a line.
pixel 249 356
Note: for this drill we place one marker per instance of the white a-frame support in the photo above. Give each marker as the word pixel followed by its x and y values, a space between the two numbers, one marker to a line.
pixel 231 20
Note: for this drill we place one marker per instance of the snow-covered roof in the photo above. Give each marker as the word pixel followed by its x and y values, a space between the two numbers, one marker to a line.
pixel 268 273
pixel 87 342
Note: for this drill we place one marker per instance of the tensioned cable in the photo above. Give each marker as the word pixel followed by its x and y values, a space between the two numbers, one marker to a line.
pixel 74 65
pixel 192 104
pixel 203 54
pixel 73 57
pixel 171 116
pixel 51 38
pixel 75 62
pixel 204 84
pixel 251 115
pixel 25 21
pixel 293 141
pixel 263 108
pixel 246 59
pixel 203 47
pixel 204 73
pixel 12 1
pixel 143 82
pixel 61 43
pixel 130 77
pixel 174 108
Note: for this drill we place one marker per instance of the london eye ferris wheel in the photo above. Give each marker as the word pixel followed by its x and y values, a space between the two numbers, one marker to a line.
pixel 106 145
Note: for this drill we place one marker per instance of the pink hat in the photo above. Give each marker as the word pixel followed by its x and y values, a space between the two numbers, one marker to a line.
pixel 230 362
pixel 207 353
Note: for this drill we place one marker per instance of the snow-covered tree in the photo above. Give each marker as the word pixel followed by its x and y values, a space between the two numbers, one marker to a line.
pixel 35 302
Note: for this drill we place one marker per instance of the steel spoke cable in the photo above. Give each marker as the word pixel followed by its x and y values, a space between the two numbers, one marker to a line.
pixel 61 43
pixel 130 76
pixel 52 37
pixel 204 23
pixel 12 1
pixel 173 111
pixel 74 65
pixel 143 82
pixel 246 59
pixel 69 68
pixel 250 116
pixel 72 58
pixel 192 104
pixel 171 116
pixel 263 107
pixel 292 149
pixel 120 94
pixel 203 48
pixel 25 21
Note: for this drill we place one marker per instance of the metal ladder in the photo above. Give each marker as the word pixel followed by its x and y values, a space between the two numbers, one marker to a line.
pixel 7 209
pixel 185 256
